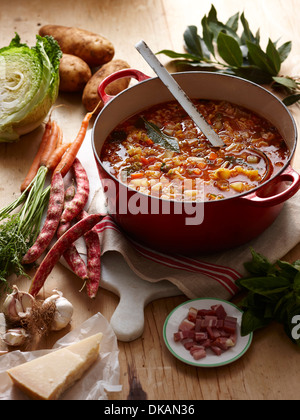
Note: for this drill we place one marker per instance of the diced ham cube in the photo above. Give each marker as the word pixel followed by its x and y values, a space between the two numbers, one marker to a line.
pixel 220 311
pixel 224 333
pixel 198 325
pixel 224 343
pixel 216 350
pixel 186 325
pixel 181 335
pixel 211 318
pixel 206 343
pixel 213 333
pixel 200 336
pixel 209 321
pixel 188 343
pixel 230 324
pixel 220 324
pixel 204 312
pixel 188 334
pixel 192 315
pixel 231 319
pixel 233 337
pixel 178 336
pixel 195 348
pixel 221 342
pixel 199 353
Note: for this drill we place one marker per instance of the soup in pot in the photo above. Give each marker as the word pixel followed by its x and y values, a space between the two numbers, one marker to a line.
pixel 160 152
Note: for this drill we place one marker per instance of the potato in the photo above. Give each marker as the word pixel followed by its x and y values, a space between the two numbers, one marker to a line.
pixel 92 48
pixel 74 73
pixel 90 97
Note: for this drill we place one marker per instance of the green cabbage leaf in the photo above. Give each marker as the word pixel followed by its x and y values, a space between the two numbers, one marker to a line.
pixel 29 84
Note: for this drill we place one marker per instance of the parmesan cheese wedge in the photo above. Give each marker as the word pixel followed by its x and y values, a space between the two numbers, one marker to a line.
pixel 47 377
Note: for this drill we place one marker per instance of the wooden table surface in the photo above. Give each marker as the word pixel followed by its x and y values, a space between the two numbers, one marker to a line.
pixel 271 368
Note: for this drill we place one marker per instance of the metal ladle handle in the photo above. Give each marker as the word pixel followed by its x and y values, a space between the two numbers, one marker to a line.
pixel 179 94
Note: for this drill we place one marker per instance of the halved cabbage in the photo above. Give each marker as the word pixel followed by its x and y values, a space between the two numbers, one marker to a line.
pixel 29 82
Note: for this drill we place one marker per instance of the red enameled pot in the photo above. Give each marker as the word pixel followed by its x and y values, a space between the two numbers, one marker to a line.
pixel 203 227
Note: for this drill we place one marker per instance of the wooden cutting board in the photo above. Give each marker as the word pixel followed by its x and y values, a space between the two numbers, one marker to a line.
pixel 135 293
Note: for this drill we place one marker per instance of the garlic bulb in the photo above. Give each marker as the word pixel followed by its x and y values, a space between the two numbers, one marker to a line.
pixel 15 337
pixel 63 313
pixel 17 305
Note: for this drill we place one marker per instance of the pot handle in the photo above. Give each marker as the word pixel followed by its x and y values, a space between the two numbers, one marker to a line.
pixel 290 175
pixel 136 74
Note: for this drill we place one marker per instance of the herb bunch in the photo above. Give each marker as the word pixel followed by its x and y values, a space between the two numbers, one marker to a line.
pixel 221 49
pixel 19 230
pixel 273 294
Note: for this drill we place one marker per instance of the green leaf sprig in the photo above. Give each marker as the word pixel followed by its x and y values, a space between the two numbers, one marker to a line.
pixel 159 137
pixel 272 294
pixel 221 49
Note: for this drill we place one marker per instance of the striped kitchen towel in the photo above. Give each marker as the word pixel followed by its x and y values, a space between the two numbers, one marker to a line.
pixel 214 275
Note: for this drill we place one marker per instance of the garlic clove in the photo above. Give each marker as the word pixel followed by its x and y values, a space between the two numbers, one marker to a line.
pixel 15 337
pixel 17 305
pixel 9 307
pixel 55 296
pixel 63 313
pixel 26 303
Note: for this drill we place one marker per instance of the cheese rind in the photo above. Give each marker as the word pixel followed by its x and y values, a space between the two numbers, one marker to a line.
pixel 47 377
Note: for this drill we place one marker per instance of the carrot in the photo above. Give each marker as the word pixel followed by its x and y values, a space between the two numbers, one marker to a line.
pixel 137 175
pixel 51 145
pixel 57 155
pixel 56 202
pixel 37 159
pixel 76 205
pixel 61 245
pixel 68 158
pixel 212 156
pixel 93 259
pixel 60 137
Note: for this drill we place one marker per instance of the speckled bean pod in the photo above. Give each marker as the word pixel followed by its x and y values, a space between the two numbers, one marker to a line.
pixel 72 256
pixel 75 262
pixel 93 260
pixel 76 205
pixel 58 249
pixel 69 195
pixel 55 208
